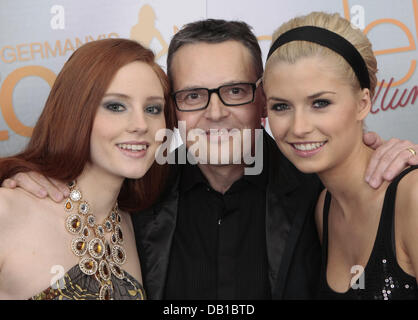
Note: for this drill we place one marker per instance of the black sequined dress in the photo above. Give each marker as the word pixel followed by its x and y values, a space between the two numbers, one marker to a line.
pixel 383 278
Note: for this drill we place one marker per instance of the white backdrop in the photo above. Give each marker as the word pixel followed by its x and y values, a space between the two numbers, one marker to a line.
pixel 37 37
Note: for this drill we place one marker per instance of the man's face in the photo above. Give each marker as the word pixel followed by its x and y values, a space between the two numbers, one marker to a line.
pixel 204 65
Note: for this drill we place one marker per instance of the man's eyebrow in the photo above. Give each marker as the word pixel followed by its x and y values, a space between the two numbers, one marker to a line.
pixel 190 88
pixel 225 83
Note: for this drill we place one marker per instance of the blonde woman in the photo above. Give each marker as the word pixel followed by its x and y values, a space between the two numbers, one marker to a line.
pixel 319 81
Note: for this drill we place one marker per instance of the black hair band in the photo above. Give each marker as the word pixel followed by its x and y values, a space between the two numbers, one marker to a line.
pixel 331 40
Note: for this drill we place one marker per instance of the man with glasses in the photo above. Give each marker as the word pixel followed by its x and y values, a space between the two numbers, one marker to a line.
pixel 210 227
pixel 220 144
pixel 217 248
pixel 217 233
pixel 235 94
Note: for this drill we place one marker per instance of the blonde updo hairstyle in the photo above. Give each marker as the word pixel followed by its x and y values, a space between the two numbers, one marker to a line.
pixel 294 50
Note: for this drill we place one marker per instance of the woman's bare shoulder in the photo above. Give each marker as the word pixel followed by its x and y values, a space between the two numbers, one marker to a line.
pixel 406 207
pixel 15 206
pixel 11 220
pixel 319 212
pixel 406 219
pixel 8 203
pixel 407 193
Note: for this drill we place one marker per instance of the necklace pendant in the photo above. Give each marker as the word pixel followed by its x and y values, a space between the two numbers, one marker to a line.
pixel 96 248
pixel 119 234
pixel 85 232
pixel 84 208
pixel 116 270
pixel 105 292
pixel 113 216
pixel 104 270
pixel 108 225
pixel 99 231
pixel 108 251
pixel 91 220
pixel 68 205
pixel 88 266
pixel 118 254
pixel 114 239
pixel 75 195
pixel 74 223
pixel 79 246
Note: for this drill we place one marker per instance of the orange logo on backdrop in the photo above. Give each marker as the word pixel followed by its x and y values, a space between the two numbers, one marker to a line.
pixel 412 96
pixel 28 52
pixel 144 31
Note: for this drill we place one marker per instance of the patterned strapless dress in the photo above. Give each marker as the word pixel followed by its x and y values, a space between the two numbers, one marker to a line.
pixel 75 285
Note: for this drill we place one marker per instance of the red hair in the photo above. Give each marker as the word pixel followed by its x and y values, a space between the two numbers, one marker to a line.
pixel 60 144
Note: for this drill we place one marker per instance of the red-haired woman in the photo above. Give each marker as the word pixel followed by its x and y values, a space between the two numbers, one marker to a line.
pixel 97 131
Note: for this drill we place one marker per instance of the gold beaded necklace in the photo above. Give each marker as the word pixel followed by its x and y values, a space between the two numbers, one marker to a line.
pixel 98 257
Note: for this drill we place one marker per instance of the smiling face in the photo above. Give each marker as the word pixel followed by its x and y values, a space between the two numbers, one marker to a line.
pixel 204 65
pixel 122 141
pixel 314 114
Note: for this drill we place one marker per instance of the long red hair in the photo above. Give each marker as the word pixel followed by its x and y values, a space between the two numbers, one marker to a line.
pixel 60 144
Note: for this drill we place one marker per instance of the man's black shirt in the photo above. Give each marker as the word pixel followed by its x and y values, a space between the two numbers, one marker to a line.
pixel 225 255
pixel 182 248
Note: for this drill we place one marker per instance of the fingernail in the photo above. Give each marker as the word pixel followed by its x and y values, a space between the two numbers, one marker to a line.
pixel 374 183
pixel 42 193
pixel 58 197
pixel 388 176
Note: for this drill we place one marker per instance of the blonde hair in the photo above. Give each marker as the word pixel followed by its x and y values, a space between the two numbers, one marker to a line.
pixel 292 51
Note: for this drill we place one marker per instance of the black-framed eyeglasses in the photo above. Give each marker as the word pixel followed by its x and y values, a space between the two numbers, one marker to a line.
pixel 234 94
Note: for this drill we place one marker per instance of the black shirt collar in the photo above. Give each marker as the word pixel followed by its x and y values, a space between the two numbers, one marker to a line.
pixel 192 176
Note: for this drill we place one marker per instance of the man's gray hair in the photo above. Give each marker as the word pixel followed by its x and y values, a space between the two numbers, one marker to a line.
pixel 216 31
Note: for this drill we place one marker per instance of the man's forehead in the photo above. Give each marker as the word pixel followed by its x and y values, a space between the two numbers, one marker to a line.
pixel 211 64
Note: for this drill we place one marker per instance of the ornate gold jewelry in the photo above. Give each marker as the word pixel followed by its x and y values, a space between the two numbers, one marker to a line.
pixel 98 257
pixel 414 153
